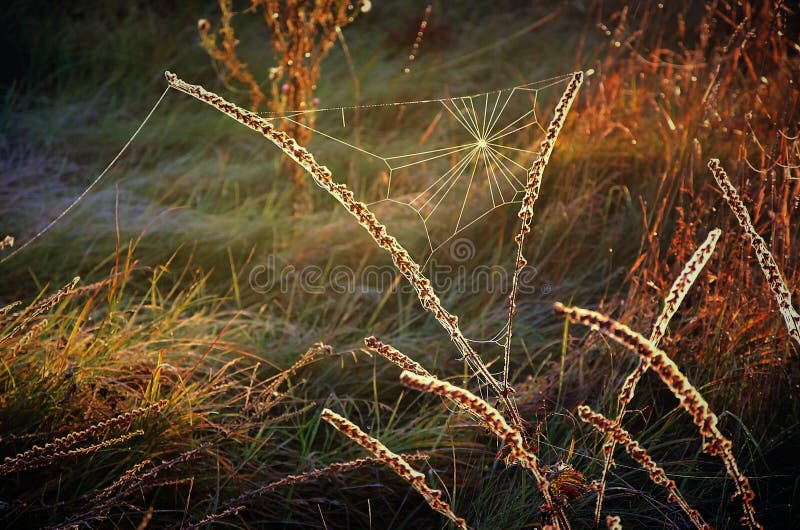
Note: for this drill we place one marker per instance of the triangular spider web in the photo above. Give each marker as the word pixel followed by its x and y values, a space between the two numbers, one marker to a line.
pixel 448 162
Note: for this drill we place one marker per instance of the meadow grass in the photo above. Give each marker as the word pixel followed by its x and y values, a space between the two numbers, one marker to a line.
pixel 235 381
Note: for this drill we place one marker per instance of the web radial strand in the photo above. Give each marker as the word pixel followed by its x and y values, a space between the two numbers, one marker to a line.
pixel 449 161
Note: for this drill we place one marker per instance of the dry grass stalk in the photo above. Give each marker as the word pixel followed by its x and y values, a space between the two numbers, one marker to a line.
pixel 613 522
pixel 676 294
pixel 23 341
pixel 396 356
pixel 37 309
pixel 775 279
pixel 270 396
pixel 409 268
pixel 715 443
pixel 225 52
pixel 417 480
pixel 131 483
pixel 525 214
pixel 613 430
pixel 59 446
pixel 15 465
pixel 5 310
pixel 124 479
pixel 495 422
pixel 237 504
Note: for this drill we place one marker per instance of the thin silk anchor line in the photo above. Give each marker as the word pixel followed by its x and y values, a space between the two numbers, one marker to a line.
pixel 91 186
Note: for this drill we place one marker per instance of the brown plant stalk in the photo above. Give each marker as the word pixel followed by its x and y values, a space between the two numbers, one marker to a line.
pixel 676 294
pixel 715 443
pixel 59 446
pixel 322 176
pixel 34 311
pixel 495 422
pixel 47 458
pixel 396 356
pixel 237 504
pixel 534 181
pixel 777 284
pixel 612 429
pixel 417 480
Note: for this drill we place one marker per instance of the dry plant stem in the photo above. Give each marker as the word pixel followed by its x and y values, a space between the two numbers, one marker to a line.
pixel 676 294
pixel 613 430
pixel 236 505
pixel 525 214
pixel 45 305
pixel 417 480
pixel 48 458
pixel 59 445
pixel 494 421
pixel 400 256
pixel 715 443
pixel 775 279
pixel 394 355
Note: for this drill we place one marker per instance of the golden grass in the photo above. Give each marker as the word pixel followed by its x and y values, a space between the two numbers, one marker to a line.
pixel 395 356
pixel 39 456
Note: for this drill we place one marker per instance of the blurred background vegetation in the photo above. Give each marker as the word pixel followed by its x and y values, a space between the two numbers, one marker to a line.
pixel 166 242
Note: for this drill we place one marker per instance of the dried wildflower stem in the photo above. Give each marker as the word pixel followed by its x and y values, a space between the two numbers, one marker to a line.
pixel 45 305
pixel 613 430
pixel 400 256
pixel 237 504
pixel 715 443
pixel 59 445
pixel 417 480
pixel 525 214
pixel 775 279
pixel 394 355
pixel 16 465
pixel 676 294
pixel 494 421
pixel 34 331
pixel 5 310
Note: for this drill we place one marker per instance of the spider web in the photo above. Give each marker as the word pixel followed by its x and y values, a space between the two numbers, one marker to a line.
pixel 443 163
